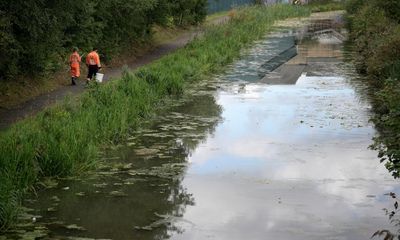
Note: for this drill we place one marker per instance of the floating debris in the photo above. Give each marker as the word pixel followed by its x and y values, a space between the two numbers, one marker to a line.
pixel 111 158
pixel 55 199
pixel 25 209
pixel 80 238
pixel 263 181
pixel 118 194
pixel 80 194
pixel 166 220
pixel 162 156
pixel 146 151
pixel 168 170
pixel 128 183
pixel 74 227
pixel 55 223
pixel 49 183
pixel 131 181
pixel 107 173
pixel 159 223
pixel 128 166
pixel 24 225
pixel 131 138
pixel 24 216
pixel 146 228
pixel 50 209
pixel 32 235
pixel 100 185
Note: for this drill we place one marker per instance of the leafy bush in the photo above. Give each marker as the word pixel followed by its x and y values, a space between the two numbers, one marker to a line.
pixel 369 28
pixel 37 35
pixel 375 30
pixel 390 7
pixel 385 63
pixel 187 12
pixel 353 6
pixel 388 123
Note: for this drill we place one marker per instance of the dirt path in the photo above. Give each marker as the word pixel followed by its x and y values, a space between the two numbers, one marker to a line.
pixel 31 107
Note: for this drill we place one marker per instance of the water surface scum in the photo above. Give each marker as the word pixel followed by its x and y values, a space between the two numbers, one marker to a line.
pixel 235 158
pixel 65 140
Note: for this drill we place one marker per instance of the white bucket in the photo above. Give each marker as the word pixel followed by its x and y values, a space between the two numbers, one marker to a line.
pixel 99 77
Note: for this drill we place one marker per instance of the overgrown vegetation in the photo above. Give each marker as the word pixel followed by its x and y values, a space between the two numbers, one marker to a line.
pixel 36 35
pixel 375 30
pixel 326 5
pixel 65 140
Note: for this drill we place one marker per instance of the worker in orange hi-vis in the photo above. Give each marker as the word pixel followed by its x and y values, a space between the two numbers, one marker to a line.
pixel 93 64
pixel 74 62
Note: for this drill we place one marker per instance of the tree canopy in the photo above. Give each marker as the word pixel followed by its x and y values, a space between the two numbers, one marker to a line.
pixel 35 35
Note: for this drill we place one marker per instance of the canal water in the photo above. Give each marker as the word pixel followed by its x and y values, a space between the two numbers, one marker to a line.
pixel 238 157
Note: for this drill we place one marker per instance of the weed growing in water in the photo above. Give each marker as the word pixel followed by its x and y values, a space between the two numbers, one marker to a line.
pixel 64 140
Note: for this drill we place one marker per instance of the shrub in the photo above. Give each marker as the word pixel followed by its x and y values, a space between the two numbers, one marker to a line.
pixel 387 121
pixel 37 35
pixel 375 31
pixel 353 6
pixel 385 62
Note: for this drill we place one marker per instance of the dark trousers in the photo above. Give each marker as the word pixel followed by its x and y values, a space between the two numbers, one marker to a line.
pixel 93 69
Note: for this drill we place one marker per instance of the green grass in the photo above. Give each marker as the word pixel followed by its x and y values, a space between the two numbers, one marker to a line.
pixel 215 16
pixel 65 140
pixel 21 89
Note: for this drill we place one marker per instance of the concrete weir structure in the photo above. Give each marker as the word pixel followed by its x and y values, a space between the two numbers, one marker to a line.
pixel 304 55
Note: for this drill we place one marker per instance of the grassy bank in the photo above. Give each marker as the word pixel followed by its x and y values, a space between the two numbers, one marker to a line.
pixel 375 31
pixel 23 89
pixel 65 140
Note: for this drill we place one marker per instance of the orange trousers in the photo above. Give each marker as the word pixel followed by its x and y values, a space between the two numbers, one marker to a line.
pixel 75 70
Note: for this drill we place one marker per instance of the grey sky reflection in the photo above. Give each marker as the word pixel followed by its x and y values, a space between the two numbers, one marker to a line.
pixel 289 162
pixel 278 125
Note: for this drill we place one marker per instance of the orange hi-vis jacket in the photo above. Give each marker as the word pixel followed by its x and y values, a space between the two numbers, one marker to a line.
pixel 74 61
pixel 93 59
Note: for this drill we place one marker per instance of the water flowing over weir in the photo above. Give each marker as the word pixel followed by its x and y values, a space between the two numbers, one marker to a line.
pixel 278 155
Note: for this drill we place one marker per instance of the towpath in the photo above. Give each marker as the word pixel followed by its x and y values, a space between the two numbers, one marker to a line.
pixel 31 107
